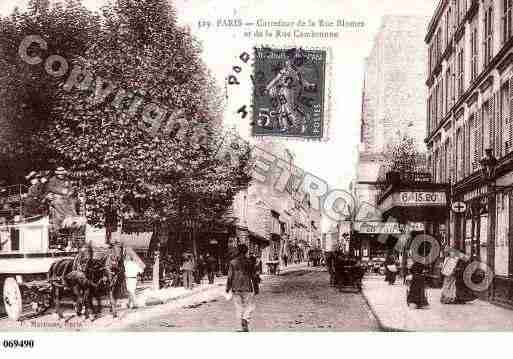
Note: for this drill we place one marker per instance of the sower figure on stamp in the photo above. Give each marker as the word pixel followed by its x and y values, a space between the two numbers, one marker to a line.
pixel 286 90
pixel 242 285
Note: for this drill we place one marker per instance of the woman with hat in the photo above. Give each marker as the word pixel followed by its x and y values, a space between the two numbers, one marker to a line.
pixel 33 205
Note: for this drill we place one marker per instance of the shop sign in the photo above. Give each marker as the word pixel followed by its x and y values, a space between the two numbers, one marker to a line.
pixel 387 227
pixel 459 207
pixel 416 226
pixel 213 241
pixel 379 227
pixel 426 198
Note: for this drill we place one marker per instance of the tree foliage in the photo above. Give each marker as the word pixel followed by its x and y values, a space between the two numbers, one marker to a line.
pixel 171 173
pixel 404 157
pixel 27 92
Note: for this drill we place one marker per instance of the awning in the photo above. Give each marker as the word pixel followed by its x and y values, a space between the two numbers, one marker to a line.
pixel 258 238
pixel 417 203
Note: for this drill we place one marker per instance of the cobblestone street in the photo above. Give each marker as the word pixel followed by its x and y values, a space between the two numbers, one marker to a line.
pixel 301 300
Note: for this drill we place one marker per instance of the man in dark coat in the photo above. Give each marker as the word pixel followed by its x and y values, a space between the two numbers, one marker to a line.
pixel 211 267
pixel 242 283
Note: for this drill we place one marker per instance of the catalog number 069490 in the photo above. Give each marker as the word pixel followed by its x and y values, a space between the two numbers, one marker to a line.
pixel 15 343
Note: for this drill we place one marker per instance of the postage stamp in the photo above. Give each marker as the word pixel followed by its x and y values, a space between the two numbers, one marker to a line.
pixel 289 93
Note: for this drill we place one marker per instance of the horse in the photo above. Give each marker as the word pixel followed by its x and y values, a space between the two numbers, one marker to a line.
pixel 106 276
pixel 69 274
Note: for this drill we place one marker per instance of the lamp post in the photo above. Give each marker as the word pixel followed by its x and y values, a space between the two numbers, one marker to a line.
pixel 488 166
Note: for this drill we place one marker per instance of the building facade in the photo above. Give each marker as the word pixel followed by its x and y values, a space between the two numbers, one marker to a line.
pixel 393 107
pixel 393 97
pixel 277 223
pixel 469 109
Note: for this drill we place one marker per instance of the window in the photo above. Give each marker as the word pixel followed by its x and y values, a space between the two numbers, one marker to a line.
pixel 435 107
pixel 438 44
pixel 505 127
pixel 430 58
pixel 435 167
pixel 459 154
pixel 445 163
pixel 470 145
pixel 447 27
pixel 473 52
pixel 461 8
pixel 506 19
pixel 429 115
pixel 501 256
pixel 478 140
pixel 461 72
pixel 488 36
pixel 486 126
pixel 447 90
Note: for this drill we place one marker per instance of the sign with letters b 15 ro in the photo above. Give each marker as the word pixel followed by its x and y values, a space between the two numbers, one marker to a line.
pixel 427 198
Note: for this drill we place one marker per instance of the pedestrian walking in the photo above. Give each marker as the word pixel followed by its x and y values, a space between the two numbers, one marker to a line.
pixel 187 270
pixel 211 267
pixel 449 272
pixel 242 285
pixel 285 259
pixel 416 294
pixel 390 270
pixel 132 270
pixel 199 269
pixel 465 294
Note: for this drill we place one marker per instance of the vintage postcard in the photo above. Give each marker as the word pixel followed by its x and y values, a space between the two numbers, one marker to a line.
pixel 255 166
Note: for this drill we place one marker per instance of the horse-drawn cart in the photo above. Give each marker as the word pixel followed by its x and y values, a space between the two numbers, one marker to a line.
pixel 28 248
pixel 24 263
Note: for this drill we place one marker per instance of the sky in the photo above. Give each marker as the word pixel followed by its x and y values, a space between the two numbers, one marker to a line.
pixel 332 160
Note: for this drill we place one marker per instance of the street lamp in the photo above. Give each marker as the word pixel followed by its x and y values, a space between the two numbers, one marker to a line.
pixel 488 167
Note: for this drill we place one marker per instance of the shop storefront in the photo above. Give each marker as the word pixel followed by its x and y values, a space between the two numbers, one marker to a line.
pixel 415 208
pixel 483 230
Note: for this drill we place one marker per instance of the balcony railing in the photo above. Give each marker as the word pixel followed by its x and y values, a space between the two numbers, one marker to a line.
pixel 407 178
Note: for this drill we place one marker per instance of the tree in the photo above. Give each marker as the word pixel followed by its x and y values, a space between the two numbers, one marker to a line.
pixel 404 156
pixel 134 159
pixel 27 92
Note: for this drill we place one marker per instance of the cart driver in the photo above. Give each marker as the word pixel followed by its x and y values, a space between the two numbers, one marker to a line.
pixel 60 193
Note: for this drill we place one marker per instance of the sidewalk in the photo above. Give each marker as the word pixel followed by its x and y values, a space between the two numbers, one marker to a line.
pixel 388 303
pixel 146 296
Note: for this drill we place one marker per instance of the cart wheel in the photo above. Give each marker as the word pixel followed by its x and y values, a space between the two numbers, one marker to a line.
pixel 12 299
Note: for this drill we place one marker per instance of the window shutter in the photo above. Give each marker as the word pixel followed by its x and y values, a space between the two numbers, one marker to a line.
pixel 500 124
pixel 491 123
pixel 468 156
pixel 459 153
pixel 479 138
pixel 467 148
pixel 474 147
pixel 508 128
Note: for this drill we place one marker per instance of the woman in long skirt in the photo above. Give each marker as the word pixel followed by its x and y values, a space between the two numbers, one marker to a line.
pixel 416 297
pixel 390 270
pixel 449 272
pixel 463 292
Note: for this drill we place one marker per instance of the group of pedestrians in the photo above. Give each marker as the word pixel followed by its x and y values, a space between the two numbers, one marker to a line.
pixel 194 271
pixel 454 290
